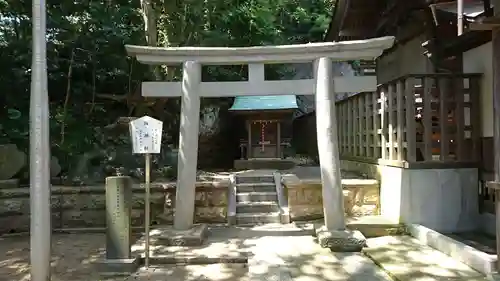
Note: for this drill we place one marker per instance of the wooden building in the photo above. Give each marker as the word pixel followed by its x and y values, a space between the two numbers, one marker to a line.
pixel 432 113
pixel 268 123
pixel 428 52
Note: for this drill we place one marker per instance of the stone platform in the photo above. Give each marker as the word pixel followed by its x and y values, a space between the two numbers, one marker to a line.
pixel 114 267
pixel 287 253
pixel 408 260
pixel 168 236
pixel 249 164
pixel 305 198
pixel 221 244
pixel 272 253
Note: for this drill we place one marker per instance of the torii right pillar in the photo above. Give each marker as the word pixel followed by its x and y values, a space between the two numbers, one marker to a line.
pixel 333 234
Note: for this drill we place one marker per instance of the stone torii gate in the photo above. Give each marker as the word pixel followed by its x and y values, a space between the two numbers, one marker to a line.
pixel 191 89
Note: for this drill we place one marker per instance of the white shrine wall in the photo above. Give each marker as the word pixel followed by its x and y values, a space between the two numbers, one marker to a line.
pixel 444 200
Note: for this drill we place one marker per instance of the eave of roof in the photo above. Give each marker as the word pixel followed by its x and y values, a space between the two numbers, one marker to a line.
pixel 245 103
pixel 338 15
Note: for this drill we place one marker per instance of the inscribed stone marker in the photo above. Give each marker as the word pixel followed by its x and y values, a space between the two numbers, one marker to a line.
pixel 118 220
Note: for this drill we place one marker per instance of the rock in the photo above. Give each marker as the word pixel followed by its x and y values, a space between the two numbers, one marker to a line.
pixel 55 170
pixel 12 160
pixel 6 184
pixel 85 172
pixel 55 167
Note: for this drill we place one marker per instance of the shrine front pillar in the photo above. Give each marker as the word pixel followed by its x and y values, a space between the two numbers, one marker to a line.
pixel 278 139
pixel 249 143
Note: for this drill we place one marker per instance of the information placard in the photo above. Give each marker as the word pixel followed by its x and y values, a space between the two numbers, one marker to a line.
pixel 146 135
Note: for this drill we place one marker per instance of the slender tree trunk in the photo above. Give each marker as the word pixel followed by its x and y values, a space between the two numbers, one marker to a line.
pixel 151 30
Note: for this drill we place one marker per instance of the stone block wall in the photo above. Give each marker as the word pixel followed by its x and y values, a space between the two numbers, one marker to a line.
pixel 366 169
pixel 305 201
pixel 84 206
pixel 210 203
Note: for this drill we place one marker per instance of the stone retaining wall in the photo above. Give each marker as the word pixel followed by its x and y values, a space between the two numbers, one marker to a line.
pixel 305 200
pixel 84 206
pixel 367 169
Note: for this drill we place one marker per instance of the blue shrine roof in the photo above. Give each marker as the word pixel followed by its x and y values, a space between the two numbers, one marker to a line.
pixel 264 103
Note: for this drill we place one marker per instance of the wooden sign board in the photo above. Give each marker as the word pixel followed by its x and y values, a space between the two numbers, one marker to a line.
pixel 145 133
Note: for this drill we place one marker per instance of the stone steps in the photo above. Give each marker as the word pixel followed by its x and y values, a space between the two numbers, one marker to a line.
pixel 256 196
pixel 8 184
pixel 255 187
pixel 257 218
pixel 257 207
pixel 250 179
pixel 195 259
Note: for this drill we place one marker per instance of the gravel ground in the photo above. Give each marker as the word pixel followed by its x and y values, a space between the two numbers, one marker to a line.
pixel 273 257
pixel 72 255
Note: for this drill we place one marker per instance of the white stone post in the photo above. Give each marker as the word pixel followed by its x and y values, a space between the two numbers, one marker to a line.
pixel 326 127
pixel 188 146
pixel 333 234
pixel 40 222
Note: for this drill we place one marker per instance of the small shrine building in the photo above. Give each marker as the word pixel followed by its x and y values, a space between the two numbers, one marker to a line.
pixel 268 122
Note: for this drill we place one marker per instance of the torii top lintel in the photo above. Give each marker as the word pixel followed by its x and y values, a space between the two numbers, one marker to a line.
pixel 339 51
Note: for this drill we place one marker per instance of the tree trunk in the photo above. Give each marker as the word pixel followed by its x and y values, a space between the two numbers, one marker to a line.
pixel 151 30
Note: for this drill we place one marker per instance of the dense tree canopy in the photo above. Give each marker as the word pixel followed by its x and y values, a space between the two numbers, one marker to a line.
pixel 92 82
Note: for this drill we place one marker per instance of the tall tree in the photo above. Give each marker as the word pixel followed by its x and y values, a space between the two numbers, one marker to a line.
pixel 91 80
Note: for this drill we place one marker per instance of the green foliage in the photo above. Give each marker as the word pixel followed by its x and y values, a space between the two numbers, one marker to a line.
pixel 88 36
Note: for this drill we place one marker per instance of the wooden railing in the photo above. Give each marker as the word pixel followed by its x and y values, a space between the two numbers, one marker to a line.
pixel 486 198
pixel 418 120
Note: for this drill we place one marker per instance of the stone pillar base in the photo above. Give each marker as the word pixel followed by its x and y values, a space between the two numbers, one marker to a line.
pixel 169 236
pixel 117 267
pixel 340 240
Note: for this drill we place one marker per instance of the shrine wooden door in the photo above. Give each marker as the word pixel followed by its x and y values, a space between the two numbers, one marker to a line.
pixel 264 143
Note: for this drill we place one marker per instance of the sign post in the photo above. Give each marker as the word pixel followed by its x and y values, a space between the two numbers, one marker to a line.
pixel 146 133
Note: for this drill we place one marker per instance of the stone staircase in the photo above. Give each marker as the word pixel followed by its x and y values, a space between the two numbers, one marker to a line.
pixel 256 198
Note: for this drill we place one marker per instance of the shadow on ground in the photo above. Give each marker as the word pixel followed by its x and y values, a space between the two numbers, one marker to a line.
pixel 272 256
pixel 72 255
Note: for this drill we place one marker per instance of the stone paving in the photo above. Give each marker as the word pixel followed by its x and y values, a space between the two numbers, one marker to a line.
pixel 409 260
pixel 281 254
pixel 272 256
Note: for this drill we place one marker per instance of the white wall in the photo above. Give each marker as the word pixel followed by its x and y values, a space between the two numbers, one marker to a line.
pixel 444 200
pixel 405 59
pixel 478 60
